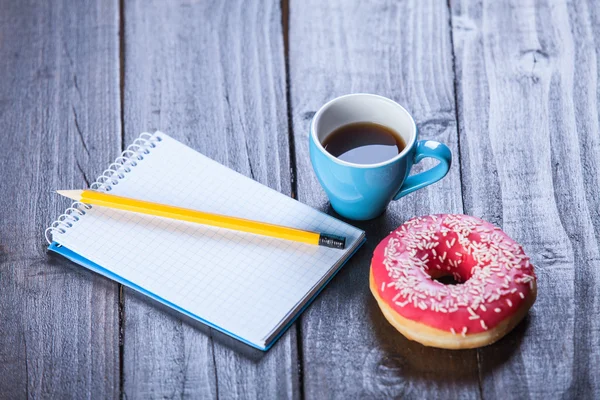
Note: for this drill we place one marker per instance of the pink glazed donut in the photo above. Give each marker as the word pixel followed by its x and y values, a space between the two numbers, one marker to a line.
pixel 496 282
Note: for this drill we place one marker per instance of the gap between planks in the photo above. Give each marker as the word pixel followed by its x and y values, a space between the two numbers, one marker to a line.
pixel 122 133
pixel 285 25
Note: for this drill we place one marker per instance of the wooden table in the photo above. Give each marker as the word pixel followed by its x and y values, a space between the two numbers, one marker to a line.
pixel 511 86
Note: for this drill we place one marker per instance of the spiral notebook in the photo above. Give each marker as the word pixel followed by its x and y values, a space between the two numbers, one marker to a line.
pixel 248 286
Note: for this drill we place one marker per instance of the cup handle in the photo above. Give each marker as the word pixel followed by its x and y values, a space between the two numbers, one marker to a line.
pixel 427 148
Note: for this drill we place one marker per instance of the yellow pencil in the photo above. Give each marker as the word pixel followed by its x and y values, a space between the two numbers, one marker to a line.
pixel 239 224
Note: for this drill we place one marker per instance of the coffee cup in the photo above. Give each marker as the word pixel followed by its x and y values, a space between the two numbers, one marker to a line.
pixel 362 191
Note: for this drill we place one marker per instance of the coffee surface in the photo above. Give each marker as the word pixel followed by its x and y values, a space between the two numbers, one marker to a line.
pixel 364 143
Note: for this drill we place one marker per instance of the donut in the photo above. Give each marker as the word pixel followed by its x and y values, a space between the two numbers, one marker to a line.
pixel 495 281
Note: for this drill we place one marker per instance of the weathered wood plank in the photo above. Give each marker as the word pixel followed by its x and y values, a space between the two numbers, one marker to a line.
pixel 59 112
pixel 212 75
pixel 527 77
pixel 401 50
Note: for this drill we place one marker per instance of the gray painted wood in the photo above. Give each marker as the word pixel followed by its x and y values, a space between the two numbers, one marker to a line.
pixel 59 113
pixel 213 76
pixel 401 50
pixel 527 75
pixel 210 74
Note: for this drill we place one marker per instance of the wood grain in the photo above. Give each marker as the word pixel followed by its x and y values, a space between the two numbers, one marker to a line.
pixel 527 75
pixel 401 50
pixel 59 112
pixel 524 132
pixel 210 74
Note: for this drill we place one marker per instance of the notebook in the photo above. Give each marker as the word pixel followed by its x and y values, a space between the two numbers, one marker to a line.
pixel 248 286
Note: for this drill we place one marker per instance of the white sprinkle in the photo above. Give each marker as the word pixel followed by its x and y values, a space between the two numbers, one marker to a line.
pixel 472 317
pixel 509 302
pixel 458 254
pixel 471 311
pixel 497 310
pixel 396 297
pixel 434 252
pixel 453 331
pixel 522 295
pixel 483 325
pixel 402 304
pixel 483 308
pixel 382 286
pixel 464 331
pixel 448 244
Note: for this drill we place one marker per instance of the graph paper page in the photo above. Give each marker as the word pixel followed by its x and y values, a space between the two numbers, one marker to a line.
pixel 243 283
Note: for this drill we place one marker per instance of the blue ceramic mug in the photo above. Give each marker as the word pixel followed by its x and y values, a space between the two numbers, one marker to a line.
pixel 363 191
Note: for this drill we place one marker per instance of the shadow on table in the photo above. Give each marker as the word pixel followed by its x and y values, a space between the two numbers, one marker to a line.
pixel 411 359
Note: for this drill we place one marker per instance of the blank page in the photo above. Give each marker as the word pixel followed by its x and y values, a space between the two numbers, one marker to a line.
pixel 245 284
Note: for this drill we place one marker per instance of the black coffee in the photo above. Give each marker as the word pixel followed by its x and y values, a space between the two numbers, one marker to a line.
pixel 364 143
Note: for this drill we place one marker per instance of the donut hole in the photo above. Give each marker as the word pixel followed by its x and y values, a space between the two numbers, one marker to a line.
pixel 447 280
pixel 449 263
pixel 446 277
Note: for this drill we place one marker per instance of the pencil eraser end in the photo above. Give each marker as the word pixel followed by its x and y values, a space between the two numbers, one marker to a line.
pixel 333 241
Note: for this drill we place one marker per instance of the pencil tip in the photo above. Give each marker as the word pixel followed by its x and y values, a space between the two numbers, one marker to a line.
pixel 71 194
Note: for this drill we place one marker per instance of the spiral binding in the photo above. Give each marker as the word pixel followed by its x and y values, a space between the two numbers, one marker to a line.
pixel 116 171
